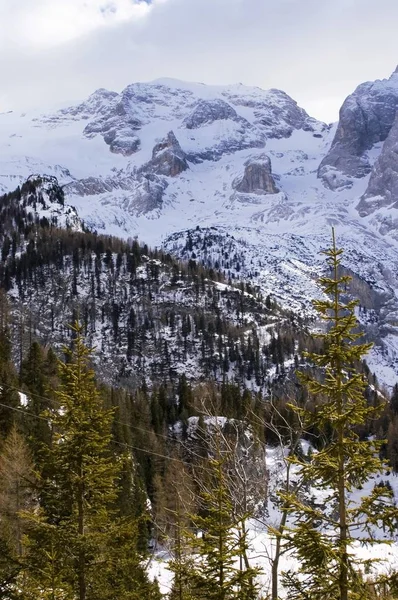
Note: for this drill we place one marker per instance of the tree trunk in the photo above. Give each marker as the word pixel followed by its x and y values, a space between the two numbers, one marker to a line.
pixel 341 483
pixel 343 575
pixel 81 556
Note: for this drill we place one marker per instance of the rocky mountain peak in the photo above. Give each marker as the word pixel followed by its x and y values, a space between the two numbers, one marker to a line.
pixel 382 189
pixel 168 157
pixel 366 118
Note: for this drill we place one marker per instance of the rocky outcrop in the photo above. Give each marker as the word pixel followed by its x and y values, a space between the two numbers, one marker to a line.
pixel 96 104
pixel 208 111
pixel 145 190
pixel 257 178
pixel 115 119
pixel 276 113
pixel 43 195
pixel 237 133
pixel 91 186
pixel 168 158
pixel 146 185
pixel 147 194
pixel 366 118
pixel 237 141
pixel 382 190
pixel 119 132
pixel 110 115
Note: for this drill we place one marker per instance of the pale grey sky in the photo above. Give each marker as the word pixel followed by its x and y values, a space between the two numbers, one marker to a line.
pixel 58 51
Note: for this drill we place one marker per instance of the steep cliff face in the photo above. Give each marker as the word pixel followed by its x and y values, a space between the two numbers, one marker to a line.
pixel 366 118
pixel 382 189
pixel 167 158
pixel 257 177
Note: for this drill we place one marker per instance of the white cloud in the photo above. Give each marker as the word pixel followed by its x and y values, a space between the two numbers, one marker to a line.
pixel 48 23
pixel 61 50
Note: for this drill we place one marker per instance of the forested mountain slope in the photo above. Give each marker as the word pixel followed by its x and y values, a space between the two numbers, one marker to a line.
pixel 149 317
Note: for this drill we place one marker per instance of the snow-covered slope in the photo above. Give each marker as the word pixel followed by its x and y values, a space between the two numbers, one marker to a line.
pixel 165 157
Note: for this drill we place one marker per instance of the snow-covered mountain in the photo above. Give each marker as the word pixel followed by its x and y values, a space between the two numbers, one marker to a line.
pixel 175 162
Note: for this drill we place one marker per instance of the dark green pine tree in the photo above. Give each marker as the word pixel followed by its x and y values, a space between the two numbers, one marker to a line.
pixel 394 399
pixel 8 378
pixel 35 381
pixel 322 540
pixel 78 545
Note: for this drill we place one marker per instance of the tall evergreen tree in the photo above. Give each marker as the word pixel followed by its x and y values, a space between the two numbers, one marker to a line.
pixel 78 546
pixel 322 542
pixel 8 378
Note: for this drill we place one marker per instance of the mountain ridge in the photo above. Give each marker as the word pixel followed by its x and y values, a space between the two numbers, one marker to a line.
pixel 160 159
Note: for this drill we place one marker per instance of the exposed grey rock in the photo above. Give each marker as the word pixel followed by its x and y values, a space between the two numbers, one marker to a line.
pixel 257 178
pixel 240 140
pixel 145 190
pixel 147 194
pixel 108 114
pixel 90 186
pixel 118 130
pixel 96 104
pixel 334 179
pixel 145 185
pixel 366 117
pixel 277 113
pixel 208 111
pixel 382 188
pixel 168 158
pixel 240 135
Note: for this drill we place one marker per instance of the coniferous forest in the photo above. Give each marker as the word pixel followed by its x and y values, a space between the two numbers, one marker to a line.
pixel 139 397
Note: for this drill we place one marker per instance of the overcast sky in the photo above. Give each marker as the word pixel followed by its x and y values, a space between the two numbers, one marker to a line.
pixel 57 51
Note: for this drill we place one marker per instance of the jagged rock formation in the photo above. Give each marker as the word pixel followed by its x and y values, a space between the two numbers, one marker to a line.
pixel 119 132
pixel 168 159
pixel 382 190
pixel 110 115
pixel 257 178
pixel 147 194
pixel 276 113
pixel 92 186
pixel 366 118
pixel 145 185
